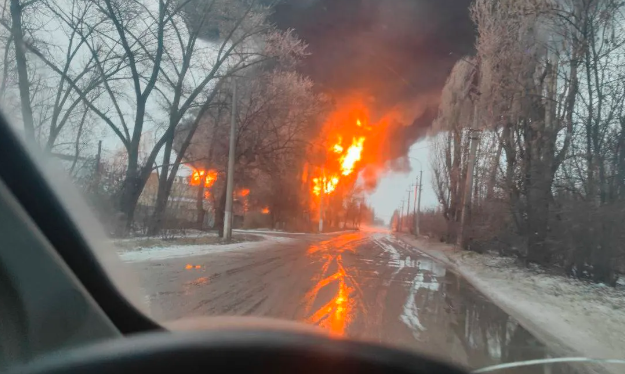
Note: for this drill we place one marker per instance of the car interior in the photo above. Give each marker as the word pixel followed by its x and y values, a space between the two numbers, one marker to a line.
pixel 61 311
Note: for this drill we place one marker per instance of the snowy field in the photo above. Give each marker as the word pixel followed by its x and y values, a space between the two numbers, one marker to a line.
pixel 579 317
pixel 178 251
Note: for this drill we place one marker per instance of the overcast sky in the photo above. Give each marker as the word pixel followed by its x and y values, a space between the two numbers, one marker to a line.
pixel 393 187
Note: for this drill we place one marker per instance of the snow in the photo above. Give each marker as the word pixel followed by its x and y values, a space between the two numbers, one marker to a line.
pixel 410 314
pixel 188 234
pixel 573 316
pixel 181 251
pixel 269 231
pixel 394 258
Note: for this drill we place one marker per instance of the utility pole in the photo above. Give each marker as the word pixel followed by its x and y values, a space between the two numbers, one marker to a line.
pixel 398 218
pixel 414 207
pixel 401 221
pixel 464 221
pixel 231 155
pixel 323 191
pixel 408 208
pixel 417 227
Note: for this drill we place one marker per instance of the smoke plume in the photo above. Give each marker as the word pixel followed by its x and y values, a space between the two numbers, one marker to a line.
pixel 397 53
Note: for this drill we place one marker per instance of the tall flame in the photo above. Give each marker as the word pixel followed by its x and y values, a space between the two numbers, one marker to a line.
pixel 352 156
pixel 358 142
pixel 342 160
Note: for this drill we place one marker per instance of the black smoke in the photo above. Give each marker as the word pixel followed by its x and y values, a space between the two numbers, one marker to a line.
pixel 396 52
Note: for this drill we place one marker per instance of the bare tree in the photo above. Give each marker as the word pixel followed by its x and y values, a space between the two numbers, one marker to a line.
pixel 451 145
pixel 520 63
pixel 240 49
pixel 17 34
pixel 551 105
pixel 277 111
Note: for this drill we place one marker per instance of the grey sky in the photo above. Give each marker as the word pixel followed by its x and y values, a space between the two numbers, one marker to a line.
pixel 393 187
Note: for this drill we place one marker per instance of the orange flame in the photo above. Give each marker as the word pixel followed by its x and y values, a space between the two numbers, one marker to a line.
pixel 352 156
pixel 265 210
pixel 358 142
pixel 342 160
pixel 244 192
pixel 338 148
pixel 198 175
pixel 330 184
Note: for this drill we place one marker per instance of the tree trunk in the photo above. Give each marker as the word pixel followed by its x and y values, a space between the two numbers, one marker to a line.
pixel 128 195
pixel 621 162
pixel 156 221
pixel 22 72
pixel 492 179
pixel 127 198
pixel 220 210
pixel 538 216
pixel 541 151
pixel 164 189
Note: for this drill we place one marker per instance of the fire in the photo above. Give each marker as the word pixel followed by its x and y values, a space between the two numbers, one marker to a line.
pixel 244 192
pixel 330 184
pixel 265 210
pixel 357 141
pixel 198 175
pixel 352 156
pixel 341 160
pixel 338 148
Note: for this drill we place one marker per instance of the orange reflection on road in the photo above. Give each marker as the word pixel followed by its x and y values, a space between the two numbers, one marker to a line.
pixel 336 314
pixel 342 243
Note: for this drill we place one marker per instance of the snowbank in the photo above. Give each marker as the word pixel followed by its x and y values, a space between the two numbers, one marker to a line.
pixel 575 316
pixel 179 251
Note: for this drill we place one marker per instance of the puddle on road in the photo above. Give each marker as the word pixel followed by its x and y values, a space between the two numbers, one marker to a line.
pixel 426 308
pixel 446 314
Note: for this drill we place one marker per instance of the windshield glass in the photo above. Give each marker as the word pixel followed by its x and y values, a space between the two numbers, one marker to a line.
pixel 441 176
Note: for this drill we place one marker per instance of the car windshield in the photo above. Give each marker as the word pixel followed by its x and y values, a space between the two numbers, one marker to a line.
pixel 446 177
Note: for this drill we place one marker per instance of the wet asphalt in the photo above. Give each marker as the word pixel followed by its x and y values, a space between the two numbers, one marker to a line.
pixel 365 285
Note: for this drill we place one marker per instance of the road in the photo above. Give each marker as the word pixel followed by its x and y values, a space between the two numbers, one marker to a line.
pixel 365 285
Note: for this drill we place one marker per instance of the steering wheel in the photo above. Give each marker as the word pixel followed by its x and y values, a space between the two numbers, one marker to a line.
pixel 234 350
